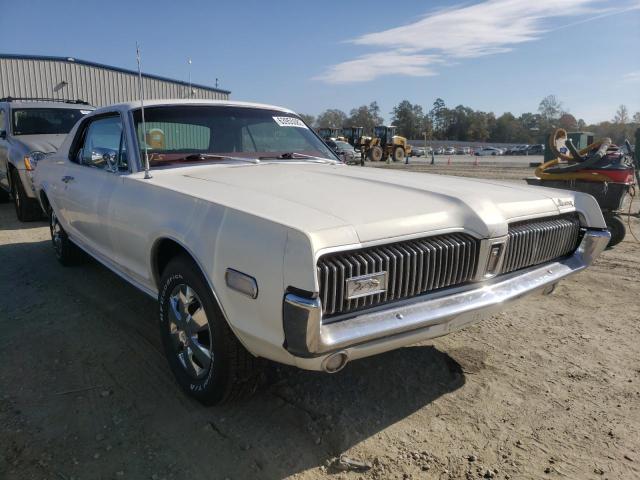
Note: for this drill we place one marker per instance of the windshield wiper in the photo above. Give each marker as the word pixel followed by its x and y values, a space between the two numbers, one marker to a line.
pixel 294 156
pixel 212 156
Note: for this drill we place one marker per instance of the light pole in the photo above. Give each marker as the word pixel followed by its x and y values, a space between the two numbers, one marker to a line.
pixel 190 91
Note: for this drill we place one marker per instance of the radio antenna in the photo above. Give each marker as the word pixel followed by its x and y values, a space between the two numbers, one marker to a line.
pixel 147 175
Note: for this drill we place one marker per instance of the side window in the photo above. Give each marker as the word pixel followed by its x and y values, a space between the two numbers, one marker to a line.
pixel 104 145
pixel 2 125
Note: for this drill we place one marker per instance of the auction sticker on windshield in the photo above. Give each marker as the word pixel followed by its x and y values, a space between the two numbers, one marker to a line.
pixel 289 122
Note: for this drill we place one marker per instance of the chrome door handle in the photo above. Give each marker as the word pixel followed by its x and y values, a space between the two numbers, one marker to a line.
pixel 67 178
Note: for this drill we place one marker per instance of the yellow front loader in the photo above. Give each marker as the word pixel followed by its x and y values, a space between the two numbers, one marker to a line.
pixel 386 144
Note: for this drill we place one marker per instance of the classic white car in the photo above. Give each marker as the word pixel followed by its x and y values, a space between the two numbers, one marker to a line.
pixel 258 243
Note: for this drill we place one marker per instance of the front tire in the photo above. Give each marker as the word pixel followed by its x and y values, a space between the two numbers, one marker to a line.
pixel 375 154
pixel 398 154
pixel 616 227
pixel 27 209
pixel 4 196
pixel 206 358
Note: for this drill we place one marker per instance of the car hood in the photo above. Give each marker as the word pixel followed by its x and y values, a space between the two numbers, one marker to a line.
pixel 336 204
pixel 39 143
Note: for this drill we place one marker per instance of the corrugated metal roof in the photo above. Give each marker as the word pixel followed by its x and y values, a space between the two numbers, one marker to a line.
pixel 107 67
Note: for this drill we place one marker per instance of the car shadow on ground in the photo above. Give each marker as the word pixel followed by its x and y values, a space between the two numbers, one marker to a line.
pixel 103 399
pixel 9 221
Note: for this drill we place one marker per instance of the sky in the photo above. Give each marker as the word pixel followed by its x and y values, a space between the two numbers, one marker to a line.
pixel 492 55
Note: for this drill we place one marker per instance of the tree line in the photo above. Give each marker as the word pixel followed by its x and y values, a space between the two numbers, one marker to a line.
pixel 462 123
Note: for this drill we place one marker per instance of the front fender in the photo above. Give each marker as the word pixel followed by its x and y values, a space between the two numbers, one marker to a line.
pixel 255 247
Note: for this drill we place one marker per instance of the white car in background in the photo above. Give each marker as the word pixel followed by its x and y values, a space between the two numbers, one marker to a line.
pixel 258 243
pixel 488 151
pixel 30 129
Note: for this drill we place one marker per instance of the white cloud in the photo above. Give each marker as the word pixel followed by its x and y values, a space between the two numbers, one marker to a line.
pixel 489 27
pixel 371 66
pixel 631 77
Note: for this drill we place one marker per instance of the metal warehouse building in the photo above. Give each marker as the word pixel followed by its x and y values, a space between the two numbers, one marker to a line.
pixel 70 78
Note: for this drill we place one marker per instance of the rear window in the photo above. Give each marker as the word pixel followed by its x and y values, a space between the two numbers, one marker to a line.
pixel 45 121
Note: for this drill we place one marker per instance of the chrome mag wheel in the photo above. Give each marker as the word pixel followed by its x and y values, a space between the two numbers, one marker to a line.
pixel 56 234
pixel 190 331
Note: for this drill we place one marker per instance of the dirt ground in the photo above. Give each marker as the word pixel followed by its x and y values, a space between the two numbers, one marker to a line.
pixel 548 389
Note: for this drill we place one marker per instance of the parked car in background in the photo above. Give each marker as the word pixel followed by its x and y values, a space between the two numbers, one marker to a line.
pixel 519 150
pixel 344 150
pixel 29 130
pixel 488 151
pixel 439 151
pixel 417 152
pixel 449 151
pixel 510 150
pixel 537 149
pixel 257 242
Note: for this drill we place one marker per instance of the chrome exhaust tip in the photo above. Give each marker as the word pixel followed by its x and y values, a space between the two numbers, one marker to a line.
pixel 335 362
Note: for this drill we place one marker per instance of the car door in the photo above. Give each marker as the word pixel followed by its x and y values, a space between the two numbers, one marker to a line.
pixel 91 181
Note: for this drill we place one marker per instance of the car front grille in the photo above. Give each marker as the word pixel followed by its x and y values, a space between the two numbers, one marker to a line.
pixel 416 267
pixel 532 242
pixel 413 267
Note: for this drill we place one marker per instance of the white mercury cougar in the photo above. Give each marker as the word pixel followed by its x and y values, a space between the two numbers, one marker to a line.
pixel 258 243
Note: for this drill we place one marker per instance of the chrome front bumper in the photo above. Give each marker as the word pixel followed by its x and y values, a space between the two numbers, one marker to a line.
pixel 435 314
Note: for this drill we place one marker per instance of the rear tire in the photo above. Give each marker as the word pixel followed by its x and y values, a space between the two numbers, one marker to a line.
pixel 616 227
pixel 27 209
pixel 206 358
pixel 66 252
pixel 398 154
pixel 375 154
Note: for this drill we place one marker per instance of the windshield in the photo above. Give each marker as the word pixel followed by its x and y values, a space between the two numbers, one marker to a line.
pixel 196 134
pixel 45 121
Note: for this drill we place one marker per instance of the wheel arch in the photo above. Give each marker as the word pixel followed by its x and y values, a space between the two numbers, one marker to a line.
pixel 166 248
pixel 10 168
pixel 44 201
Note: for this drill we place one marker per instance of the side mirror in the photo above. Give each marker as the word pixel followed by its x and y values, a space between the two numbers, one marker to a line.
pixel 3 134
pixel 110 157
pixel 104 158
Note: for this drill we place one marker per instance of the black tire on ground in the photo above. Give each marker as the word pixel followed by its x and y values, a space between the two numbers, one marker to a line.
pixel 398 154
pixel 375 153
pixel 66 252
pixel 27 209
pixel 616 227
pixel 232 372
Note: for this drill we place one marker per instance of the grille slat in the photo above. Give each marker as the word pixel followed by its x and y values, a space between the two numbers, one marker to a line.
pixel 419 266
pixel 413 267
pixel 532 242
